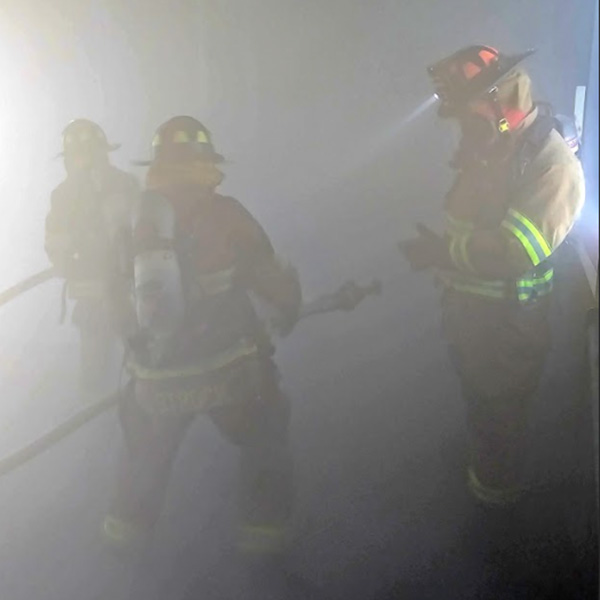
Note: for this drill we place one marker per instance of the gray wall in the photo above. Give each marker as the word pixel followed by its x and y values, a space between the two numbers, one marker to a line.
pixel 590 151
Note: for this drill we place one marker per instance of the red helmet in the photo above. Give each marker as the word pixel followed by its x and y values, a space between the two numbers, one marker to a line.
pixel 469 74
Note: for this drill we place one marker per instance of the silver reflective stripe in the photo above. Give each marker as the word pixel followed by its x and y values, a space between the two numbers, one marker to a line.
pixel 243 349
pixel 459 252
pixel 210 284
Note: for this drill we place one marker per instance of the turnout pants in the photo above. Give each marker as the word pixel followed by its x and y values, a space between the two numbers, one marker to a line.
pixel 256 420
pixel 98 344
pixel 499 351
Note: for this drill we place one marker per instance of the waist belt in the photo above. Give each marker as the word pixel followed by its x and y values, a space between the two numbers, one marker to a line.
pixel 532 285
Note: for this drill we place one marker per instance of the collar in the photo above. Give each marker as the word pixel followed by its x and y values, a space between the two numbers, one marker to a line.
pixel 526 123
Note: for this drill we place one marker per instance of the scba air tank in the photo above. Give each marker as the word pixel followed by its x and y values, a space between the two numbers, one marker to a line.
pixel 159 298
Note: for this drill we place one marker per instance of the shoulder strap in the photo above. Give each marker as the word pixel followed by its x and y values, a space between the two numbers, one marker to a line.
pixel 183 245
pixel 532 142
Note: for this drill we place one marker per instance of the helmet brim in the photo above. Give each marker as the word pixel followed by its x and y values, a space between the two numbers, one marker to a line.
pixel 508 64
pixel 108 148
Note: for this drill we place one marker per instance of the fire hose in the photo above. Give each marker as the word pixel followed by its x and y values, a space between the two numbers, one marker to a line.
pixel 26 285
pixel 346 298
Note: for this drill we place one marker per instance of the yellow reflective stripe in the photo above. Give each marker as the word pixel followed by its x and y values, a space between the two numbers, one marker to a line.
pixel 524 296
pixel 464 240
pixel 454 252
pixel 217 282
pixel 480 290
pixel 119 531
pixel 458 225
pixel 534 230
pixel 543 279
pixel 535 259
pixel 524 288
pixel 491 496
pixel 242 350
pixel 527 293
pixel 540 285
pixel 468 284
pixel 456 277
pixel 547 276
pixel 529 235
pixel 459 252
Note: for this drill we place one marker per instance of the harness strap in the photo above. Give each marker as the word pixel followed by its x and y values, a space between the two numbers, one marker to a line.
pixel 532 142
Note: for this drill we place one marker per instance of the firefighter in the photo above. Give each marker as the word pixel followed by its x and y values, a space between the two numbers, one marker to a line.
pixel 517 192
pixel 218 360
pixel 85 229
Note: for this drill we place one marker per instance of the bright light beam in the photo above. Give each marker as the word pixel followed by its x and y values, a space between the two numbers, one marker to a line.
pixel 404 122
pixel 378 144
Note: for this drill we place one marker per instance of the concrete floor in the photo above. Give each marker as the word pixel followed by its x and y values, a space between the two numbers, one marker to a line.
pixel 381 512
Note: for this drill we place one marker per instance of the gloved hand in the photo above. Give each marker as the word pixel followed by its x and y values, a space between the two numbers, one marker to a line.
pixel 425 251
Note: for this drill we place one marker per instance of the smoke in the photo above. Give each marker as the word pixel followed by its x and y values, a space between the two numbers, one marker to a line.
pixel 398 127
pixel 388 136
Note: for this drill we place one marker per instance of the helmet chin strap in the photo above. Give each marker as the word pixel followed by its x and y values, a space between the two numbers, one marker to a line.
pixel 502 125
pixel 488 127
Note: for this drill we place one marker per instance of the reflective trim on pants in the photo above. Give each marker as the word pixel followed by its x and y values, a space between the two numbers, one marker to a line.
pixel 491 496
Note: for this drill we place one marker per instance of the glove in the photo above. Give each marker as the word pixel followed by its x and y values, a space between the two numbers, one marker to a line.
pixel 425 251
